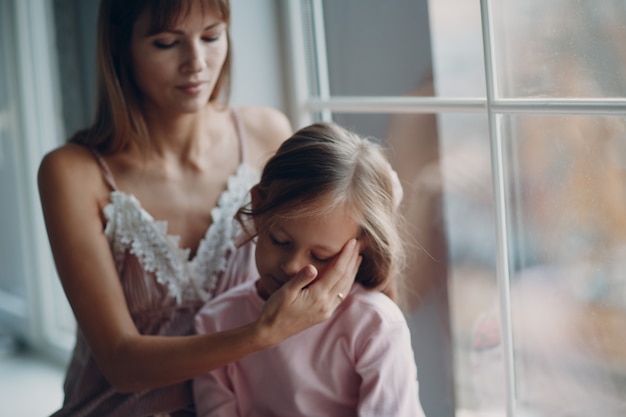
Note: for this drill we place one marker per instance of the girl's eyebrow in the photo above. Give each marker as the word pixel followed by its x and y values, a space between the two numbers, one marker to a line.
pixel 321 247
pixel 328 249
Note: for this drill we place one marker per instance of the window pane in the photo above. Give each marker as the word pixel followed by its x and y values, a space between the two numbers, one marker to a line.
pixel 374 48
pixel 568 251
pixel 12 273
pixel 472 282
pixel 560 48
pixel 457 48
pixel 449 289
pixel 75 34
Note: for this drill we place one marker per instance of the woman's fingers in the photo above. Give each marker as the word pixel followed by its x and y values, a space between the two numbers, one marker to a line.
pixel 339 277
pixel 293 307
pixel 303 279
pixel 345 285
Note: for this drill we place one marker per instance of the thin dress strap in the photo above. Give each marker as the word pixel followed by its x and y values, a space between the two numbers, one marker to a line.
pixel 108 176
pixel 241 134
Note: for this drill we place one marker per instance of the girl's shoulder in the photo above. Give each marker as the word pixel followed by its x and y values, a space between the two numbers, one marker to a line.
pixel 373 307
pixel 266 128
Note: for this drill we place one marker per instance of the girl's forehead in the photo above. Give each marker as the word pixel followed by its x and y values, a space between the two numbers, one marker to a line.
pixel 318 218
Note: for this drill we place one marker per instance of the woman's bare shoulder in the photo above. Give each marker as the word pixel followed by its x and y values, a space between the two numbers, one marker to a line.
pixel 266 128
pixel 68 153
pixel 69 165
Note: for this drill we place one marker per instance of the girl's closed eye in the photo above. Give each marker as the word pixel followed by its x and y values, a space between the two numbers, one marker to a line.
pixel 277 242
pixel 321 259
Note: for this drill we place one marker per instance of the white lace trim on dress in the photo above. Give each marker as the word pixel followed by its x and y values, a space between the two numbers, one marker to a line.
pixel 132 229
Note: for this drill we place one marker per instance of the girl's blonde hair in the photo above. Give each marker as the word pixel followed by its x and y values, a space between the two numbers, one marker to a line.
pixel 119 120
pixel 324 166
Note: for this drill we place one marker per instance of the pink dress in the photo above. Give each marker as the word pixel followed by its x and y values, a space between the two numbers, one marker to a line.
pixel 357 363
pixel 164 289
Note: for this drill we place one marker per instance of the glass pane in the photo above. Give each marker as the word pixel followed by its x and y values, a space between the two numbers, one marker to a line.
pixel 472 282
pixel 560 48
pixel 12 273
pixel 568 251
pixel 457 48
pixel 449 288
pixel 75 34
pixel 366 40
pixel 407 47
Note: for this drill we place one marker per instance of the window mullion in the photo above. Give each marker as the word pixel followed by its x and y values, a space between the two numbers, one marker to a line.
pixel 370 104
pixel 390 104
pixel 321 55
pixel 501 215
pixel 558 106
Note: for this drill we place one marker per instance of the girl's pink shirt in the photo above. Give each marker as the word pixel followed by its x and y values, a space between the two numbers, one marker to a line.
pixel 358 363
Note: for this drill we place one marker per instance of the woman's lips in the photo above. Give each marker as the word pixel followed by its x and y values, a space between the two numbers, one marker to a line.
pixel 191 89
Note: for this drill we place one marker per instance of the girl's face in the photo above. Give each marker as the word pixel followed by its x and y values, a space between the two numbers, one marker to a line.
pixel 176 70
pixel 284 249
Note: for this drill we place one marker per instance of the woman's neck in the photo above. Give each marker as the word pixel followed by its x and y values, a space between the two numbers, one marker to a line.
pixel 182 136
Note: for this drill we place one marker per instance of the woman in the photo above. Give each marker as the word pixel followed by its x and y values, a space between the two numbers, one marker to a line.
pixel 139 211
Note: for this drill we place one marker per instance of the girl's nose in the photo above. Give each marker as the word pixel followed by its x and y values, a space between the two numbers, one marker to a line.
pixel 291 264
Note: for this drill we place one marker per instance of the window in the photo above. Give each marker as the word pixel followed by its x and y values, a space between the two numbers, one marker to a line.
pixel 505 121
pixel 32 305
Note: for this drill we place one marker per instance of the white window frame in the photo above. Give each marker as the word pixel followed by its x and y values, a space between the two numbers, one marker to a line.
pixel 37 316
pixel 492 105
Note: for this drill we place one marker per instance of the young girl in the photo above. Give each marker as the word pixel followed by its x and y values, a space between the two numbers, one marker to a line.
pixel 324 187
pixel 140 207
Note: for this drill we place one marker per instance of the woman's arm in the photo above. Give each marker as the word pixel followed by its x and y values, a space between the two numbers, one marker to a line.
pixel 72 194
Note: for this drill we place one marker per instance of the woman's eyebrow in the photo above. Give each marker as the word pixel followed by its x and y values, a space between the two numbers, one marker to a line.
pixel 180 32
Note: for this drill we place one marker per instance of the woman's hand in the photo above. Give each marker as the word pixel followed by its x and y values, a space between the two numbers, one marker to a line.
pixel 305 300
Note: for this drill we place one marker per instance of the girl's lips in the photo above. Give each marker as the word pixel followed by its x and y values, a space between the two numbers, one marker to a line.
pixel 276 281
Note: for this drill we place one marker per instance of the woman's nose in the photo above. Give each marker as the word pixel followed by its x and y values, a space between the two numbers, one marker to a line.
pixel 194 58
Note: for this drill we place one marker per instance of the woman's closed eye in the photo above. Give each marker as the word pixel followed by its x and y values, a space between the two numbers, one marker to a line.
pixel 164 44
pixel 169 43
pixel 213 37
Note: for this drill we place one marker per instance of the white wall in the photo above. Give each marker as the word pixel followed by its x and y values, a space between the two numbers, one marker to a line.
pixel 258 74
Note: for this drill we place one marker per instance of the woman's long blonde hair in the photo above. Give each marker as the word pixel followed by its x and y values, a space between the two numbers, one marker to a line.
pixel 119 120
pixel 324 166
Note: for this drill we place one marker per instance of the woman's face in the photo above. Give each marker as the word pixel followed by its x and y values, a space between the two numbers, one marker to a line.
pixel 177 69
